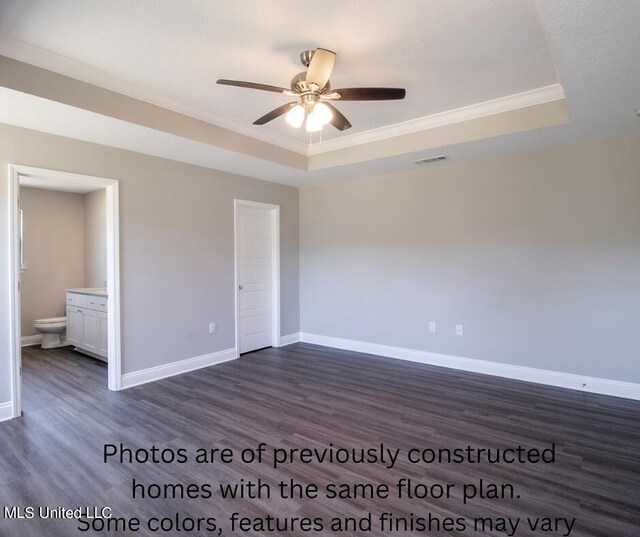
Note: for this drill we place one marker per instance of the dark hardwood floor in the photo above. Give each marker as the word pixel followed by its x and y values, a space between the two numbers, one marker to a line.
pixel 309 396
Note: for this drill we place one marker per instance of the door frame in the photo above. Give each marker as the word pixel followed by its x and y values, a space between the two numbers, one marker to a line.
pixel 274 219
pixel 113 270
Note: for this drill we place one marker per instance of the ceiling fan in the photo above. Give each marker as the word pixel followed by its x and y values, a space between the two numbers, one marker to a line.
pixel 313 91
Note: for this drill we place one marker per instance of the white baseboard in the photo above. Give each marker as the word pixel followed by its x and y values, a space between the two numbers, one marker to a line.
pixel 289 339
pixel 616 388
pixel 176 368
pixel 28 341
pixel 6 411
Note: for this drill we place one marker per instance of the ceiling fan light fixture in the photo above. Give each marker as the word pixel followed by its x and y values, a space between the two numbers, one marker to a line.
pixel 323 113
pixel 295 116
pixel 313 125
pixel 318 117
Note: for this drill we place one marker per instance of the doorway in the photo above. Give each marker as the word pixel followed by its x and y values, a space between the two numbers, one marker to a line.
pixel 65 182
pixel 257 275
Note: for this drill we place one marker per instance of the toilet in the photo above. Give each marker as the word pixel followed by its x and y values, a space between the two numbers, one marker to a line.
pixel 53 331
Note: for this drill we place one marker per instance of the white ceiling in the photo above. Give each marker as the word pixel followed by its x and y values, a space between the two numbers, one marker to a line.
pixel 447 54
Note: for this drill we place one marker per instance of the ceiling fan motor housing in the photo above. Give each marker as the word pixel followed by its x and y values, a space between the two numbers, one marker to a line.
pixel 299 83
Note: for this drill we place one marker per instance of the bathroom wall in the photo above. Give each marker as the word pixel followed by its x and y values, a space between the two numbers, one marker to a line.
pixel 53 252
pixel 95 238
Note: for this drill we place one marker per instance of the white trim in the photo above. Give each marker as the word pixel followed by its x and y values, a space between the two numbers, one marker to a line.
pixel 6 411
pixel 517 101
pixel 15 351
pixel 274 211
pixel 289 339
pixel 28 341
pixel 113 268
pixel 176 368
pixel 571 381
pixel 114 343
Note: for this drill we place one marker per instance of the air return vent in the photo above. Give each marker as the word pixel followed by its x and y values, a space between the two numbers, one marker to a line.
pixel 430 160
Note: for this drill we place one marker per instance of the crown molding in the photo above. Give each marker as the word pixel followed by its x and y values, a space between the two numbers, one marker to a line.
pixel 517 101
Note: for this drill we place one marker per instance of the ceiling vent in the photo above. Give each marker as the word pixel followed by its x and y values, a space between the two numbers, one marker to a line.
pixel 430 160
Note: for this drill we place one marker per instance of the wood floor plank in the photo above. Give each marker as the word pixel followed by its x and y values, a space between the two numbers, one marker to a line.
pixel 309 396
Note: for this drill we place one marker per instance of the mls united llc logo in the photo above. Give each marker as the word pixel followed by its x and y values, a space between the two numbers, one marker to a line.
pixel 29 513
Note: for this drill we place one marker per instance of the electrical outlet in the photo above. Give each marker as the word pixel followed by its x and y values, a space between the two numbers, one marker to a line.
pixel 432 326
pixel 212 328
pixel 459 330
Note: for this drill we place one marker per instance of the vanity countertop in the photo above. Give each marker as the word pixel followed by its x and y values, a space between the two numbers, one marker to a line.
pixel 95 291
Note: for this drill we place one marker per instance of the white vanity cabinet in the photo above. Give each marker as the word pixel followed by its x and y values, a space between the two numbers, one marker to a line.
pixel 87 326
pixel 75 320
pixel 102 333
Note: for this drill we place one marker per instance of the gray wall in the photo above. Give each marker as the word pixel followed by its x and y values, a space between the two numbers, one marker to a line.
pixel 95 238
pixel 176 237
pixel 53 252
pixel 536 254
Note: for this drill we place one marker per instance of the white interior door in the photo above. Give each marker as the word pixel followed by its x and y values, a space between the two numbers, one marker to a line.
pixel 255 293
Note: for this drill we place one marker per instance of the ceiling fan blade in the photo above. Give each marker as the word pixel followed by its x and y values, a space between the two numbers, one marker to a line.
pixel 338 120
pixel 253 85
pixel 276 112
pixel 320 68
pixel 370 94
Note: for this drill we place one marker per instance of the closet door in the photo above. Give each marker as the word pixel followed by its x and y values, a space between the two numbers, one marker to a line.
pixel 253 262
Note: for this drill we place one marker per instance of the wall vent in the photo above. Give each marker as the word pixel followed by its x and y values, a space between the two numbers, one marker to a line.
pixel 430 160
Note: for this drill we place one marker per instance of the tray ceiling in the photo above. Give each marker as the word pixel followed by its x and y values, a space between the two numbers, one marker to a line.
pixel 447 55
pixel 483 77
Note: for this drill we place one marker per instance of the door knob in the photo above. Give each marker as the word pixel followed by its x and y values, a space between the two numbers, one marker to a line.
pixel 240 287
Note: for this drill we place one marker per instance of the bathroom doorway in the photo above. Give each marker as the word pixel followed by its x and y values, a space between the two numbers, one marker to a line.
pixel 84 315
